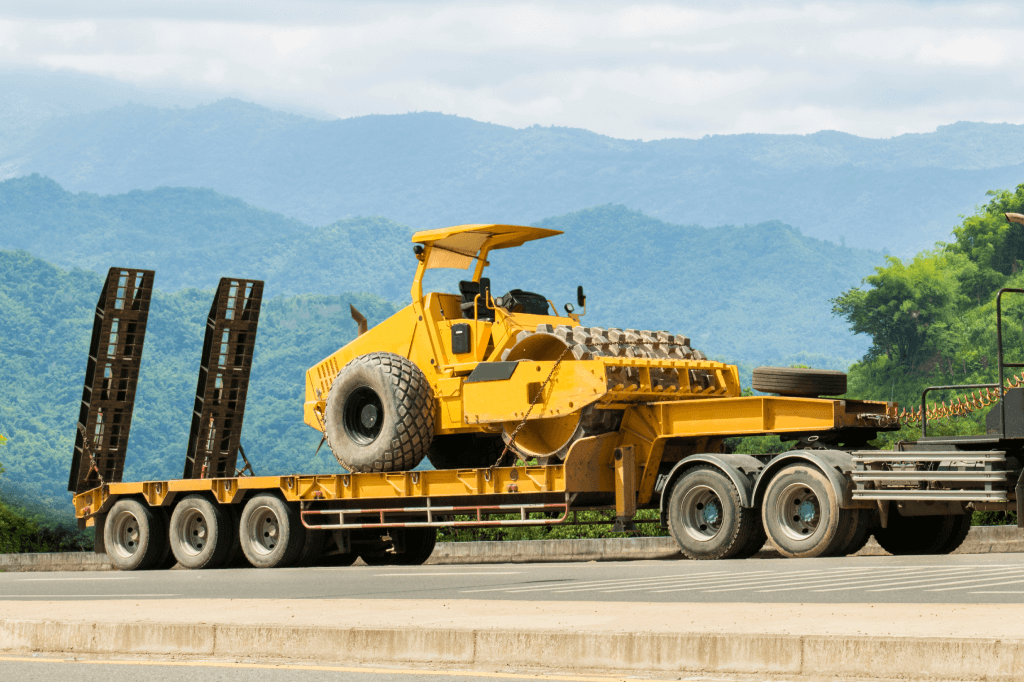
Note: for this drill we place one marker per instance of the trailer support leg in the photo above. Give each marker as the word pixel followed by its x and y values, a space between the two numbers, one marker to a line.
pixel 625 489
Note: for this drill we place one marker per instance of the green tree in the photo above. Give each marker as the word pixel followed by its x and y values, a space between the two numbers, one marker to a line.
pixel 908 308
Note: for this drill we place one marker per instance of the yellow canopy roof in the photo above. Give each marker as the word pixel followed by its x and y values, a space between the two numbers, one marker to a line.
pixel 456 247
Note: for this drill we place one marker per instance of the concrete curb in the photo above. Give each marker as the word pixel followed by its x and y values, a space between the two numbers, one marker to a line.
pixel 830 656
pixel 981 540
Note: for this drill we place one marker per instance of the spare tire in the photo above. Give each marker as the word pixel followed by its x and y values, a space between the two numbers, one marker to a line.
pixel 380 414
pixel 798 382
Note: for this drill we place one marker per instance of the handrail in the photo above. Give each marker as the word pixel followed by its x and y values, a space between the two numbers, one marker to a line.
pixel 1001 386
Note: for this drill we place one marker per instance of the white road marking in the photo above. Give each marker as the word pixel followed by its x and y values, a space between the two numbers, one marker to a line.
pixel 929 583
pixel 71 580
pixel 445 575
pixel 939 574
pixel 559 584
pixel 804 581
pixel 1008 582
pixel 91 596
pixel 743 580
pixel 873 577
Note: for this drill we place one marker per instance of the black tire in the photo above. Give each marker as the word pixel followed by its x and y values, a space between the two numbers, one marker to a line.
pixel 705 516
pixel 465 451
pixel 794 381
pixel 419 545
pixel 134 535
pixel 961 527
pixel 910 535
pixel 867 521
pixel 200 532
pixel 801 512
pixel 758 538
pixel 849 525
pixel 380 414
pixel 312 546
pixel 270 532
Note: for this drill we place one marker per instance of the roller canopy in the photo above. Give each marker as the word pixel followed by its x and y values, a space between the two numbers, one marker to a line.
pixel 457 247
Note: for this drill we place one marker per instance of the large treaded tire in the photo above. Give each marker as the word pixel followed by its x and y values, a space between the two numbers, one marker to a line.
pixel 380 414
pixel 798 382
pixel 705 516
pixel 465 451
pixel 419 545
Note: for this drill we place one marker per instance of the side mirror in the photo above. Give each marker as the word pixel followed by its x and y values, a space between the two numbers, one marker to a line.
pixel 581 300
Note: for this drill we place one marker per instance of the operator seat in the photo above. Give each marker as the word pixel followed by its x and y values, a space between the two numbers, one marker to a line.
pixel 469 291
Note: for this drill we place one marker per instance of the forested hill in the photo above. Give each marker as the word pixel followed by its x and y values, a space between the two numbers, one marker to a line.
pixel 47 317
pixel 428 170
pixel 932 318
pixel 756 294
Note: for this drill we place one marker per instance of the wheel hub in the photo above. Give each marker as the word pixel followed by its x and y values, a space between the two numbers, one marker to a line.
pixel 701 513
pixel 798 511
pixel 362 415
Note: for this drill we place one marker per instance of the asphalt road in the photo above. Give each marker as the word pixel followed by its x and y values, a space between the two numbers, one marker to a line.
pixel 47 667
pixel 975 579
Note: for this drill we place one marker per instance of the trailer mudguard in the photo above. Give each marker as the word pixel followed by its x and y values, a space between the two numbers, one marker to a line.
pixel 741 470
pixel 835 464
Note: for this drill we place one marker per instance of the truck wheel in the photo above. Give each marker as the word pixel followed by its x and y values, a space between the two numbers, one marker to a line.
pixel 312 547
pixel 961 527
pixel 135 536
pixel 801 512
pixel 465 451
pixel 419 545
pixel 799 382
pixel 270 532
pixel 908 535
pixel 866 521
pixel 380 414
pixel 201 533
pixel 705 516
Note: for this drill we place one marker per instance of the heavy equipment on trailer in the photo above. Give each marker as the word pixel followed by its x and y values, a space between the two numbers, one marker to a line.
pixel 528 418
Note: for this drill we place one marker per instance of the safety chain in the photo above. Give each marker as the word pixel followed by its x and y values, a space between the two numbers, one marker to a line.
pixel 536 399
pixel 960 406
pixel 87 449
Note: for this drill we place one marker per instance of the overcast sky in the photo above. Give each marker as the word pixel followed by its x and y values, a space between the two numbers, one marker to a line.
pixel 630 70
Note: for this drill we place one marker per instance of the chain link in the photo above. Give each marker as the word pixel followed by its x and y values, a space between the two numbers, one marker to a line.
pixel 536 399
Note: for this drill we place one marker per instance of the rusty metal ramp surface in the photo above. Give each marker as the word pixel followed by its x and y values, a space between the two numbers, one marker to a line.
pixel 111 376
pixel 214 440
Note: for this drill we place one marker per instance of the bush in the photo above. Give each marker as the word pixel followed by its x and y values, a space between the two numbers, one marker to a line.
pixel 20 532
pixel 597 525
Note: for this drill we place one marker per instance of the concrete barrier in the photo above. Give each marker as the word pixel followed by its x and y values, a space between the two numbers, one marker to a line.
pixel 981 540
pixel 638 651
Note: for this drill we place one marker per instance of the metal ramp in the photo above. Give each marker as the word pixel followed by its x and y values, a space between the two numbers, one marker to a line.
pixel 214 440
pixel 111 377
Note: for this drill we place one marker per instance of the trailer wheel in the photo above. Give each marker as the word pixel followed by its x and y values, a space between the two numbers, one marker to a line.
pixel 419 545
pixel 961 527
pixel 379 414
pixel 908 535
pixel 801 512
pixel 705 516
pixel 866 521
pixel 312 547
pixel 135 536
pixel 270 532
pixel 200 532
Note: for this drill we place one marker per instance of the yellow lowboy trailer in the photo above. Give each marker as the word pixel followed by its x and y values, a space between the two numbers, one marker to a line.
pixel 527 418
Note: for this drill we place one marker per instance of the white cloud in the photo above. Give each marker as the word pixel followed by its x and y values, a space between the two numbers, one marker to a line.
pixel 640 70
